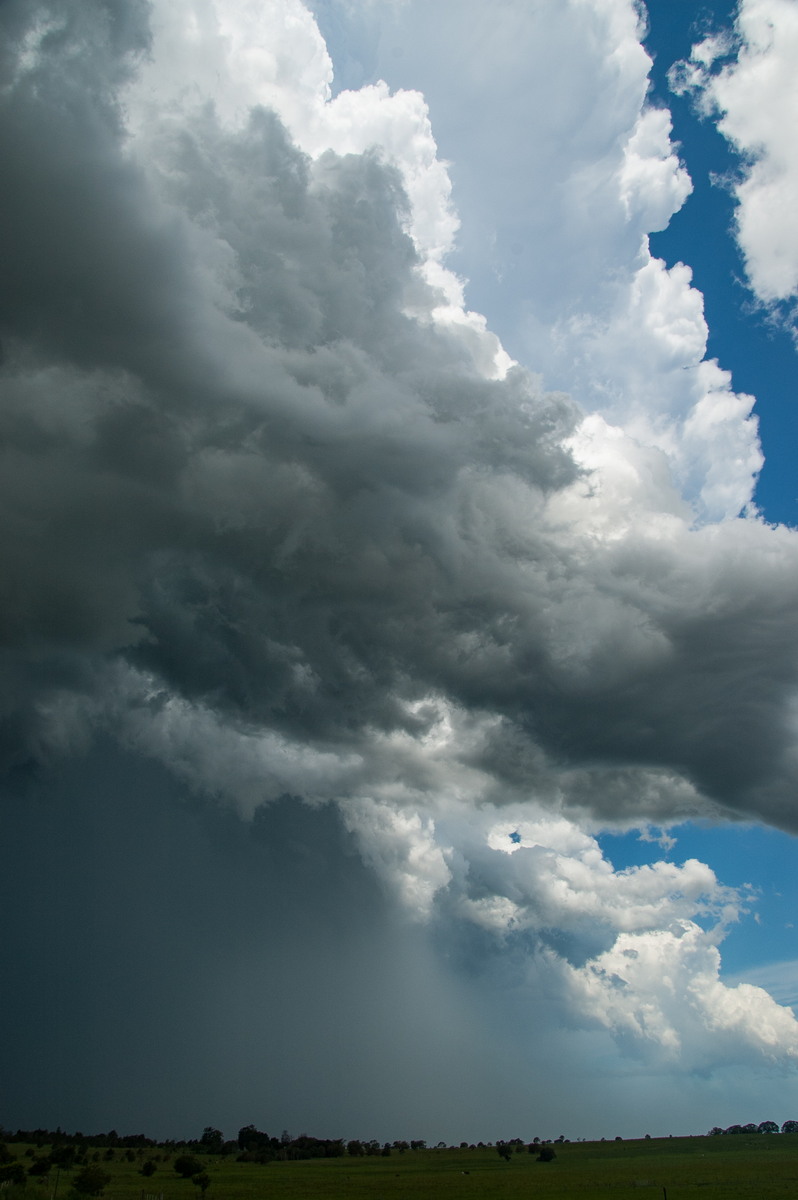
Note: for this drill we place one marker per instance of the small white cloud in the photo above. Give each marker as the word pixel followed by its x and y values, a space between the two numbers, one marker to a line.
pixel 653 183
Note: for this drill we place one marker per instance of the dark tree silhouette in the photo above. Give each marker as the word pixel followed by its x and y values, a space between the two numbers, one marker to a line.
pixel 187 1166
pixel 212 1139
pixel 12 1172
pixel 91 1181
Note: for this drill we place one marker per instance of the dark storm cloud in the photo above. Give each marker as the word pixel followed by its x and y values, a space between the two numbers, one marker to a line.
pixel 236 464
pixel 270 533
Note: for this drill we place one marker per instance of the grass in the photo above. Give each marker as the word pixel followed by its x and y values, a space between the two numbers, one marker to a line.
pixel 738 1167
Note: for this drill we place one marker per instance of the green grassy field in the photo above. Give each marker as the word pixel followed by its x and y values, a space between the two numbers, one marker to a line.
pixel 721 1168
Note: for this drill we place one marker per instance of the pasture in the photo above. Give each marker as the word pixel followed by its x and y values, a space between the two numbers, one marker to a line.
pixel 757 1167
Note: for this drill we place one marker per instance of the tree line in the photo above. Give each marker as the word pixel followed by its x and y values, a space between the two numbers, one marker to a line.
pixel 68 1151
pixel 762 1127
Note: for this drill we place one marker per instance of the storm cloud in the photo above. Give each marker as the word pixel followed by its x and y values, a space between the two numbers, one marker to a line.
pixel 283 523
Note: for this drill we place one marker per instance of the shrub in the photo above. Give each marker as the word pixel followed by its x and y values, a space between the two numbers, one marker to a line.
pixel 12 1172
pixel 91 1181
pixel 547 1154
pixel 187 1166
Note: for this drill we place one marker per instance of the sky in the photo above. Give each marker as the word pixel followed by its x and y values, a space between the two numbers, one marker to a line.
pixel 399 706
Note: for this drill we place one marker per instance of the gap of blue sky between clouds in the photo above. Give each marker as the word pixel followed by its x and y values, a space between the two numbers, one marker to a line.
pixel 760 354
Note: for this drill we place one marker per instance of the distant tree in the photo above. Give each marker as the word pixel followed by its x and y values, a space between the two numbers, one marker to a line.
pixel 40 1166
pixel 91 1181
pixel 244 1136
pixel 768 1127
pixel 355 1148
pixel 750 1128
pixel 202 1180
pixel 187 1166
pixel 149 1168
pixel 715 1131
pixel 734 1129
pixel 546 1154
pixel 212 1139
pixel 504 1150
pixel 5 1154
pixel 790 1127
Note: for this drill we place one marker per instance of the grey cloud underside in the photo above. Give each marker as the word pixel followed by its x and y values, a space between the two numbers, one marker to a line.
pixel 239 456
